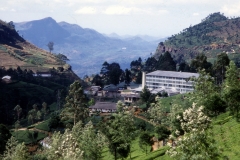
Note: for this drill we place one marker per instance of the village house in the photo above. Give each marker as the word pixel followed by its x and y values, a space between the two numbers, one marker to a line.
pixel 103 107
pixel 110 91
pixel 6 79
pixel 130 98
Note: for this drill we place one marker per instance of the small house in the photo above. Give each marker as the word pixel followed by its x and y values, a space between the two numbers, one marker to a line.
pixel 6 79
pixel 104 107
pixel 129 98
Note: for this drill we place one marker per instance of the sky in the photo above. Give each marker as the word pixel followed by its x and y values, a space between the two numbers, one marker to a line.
pixel 158 18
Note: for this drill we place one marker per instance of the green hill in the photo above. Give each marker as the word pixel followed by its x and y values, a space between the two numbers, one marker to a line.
pixel 215 34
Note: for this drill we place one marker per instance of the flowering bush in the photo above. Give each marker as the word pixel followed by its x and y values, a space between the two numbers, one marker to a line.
pixel 197 142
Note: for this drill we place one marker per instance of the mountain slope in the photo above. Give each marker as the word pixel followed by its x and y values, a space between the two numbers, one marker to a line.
pixel 86 48
pixel 215 34
pixel 17 52
pixel 38 32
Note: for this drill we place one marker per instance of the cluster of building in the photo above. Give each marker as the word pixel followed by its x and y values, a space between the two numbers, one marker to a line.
pixel 158 81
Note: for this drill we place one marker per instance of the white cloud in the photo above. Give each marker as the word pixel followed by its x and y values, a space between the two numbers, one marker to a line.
pixel 3 8
pixel 118 10
pixel 122 10
pixel 86 10
pixel 231 9
pixel 195 14
pixel 13 10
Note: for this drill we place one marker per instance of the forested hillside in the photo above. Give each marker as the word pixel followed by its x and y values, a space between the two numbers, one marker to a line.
pixel 215 34
pixel 21 60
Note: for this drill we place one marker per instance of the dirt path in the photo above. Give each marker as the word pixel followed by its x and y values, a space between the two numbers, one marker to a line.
pixel 34 129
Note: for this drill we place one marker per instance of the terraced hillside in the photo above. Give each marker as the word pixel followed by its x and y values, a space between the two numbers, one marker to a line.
pixel 15 51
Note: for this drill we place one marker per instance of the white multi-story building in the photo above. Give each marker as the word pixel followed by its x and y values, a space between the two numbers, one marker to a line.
pixel 178 81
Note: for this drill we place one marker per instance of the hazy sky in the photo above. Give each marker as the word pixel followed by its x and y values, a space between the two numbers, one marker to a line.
pixel 125 17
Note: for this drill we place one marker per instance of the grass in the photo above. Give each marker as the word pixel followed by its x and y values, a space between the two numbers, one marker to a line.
pixel 22 136
pixel 53 107
pixel 30 89
pixel 138 154
pixel 43 126
pixel 168 101
pixel 226 135
pixel 149 126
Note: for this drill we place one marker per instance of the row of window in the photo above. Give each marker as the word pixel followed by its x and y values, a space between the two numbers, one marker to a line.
pixel 178 89
pixel 173 82
pixel 169 85
pixel 167 81
pixel 164 77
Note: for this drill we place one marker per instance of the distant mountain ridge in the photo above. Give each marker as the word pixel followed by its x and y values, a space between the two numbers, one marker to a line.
pixel 215 34
pixel 86 48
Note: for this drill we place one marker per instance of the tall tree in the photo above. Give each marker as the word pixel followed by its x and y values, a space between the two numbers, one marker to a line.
pixel 200 62
pixel 206 93
pixel 219 67
pixel 75 109
pixel 166 62
pixel 150 64
pixel 4 136
pixel 18 109
pixel 135 68
pixel 184 67
pixel 147 97
pixel 97 80
pixel 114 73
pixel 145 140
pixel 50 46
pixel 104 74
pixel 232 89
pixel 127 76
pixel 32 114
pixel 157 113
pixel 162 133
pixel 90 140
pixel 15 150
pixel 44 109
pixel 118 131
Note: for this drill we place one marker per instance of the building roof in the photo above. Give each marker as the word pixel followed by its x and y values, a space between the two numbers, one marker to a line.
pixel 131 95
pixel 173 74
pixel 6 77
pixel 122 84
pixel 138 89
pixel 104 105
pixel 110 88
pixel 162 89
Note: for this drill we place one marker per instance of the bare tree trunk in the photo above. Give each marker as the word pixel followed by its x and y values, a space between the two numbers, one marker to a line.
pixel 115 154
pixel 74 119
